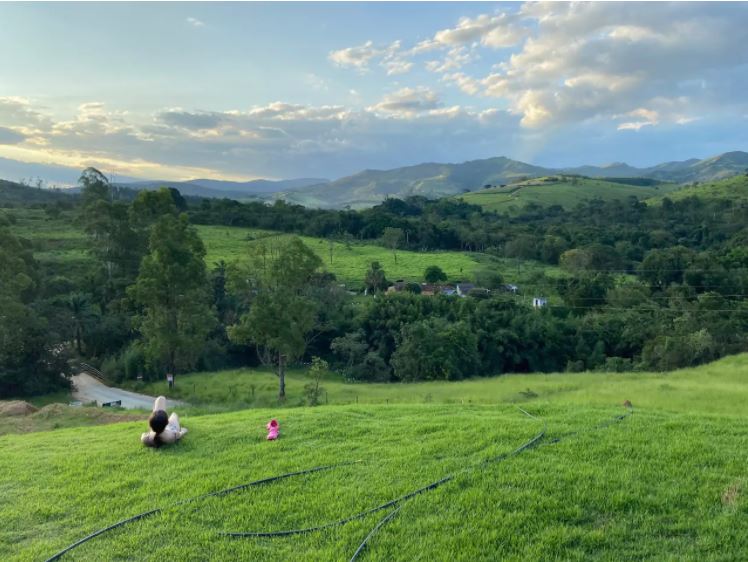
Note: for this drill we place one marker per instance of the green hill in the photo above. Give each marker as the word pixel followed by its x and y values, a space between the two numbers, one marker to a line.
pixel 734 189
pixel 370 187
pixel 667 483
pixel 566 191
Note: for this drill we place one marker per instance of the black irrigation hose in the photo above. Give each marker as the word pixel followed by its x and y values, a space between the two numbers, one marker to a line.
pixel 399 502
pixel 394 502
pixel 373 532
pixel 193 499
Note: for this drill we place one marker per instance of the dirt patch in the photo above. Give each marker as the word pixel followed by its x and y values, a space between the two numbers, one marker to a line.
pixel 57 416
pixel 731 494
pixel 16 408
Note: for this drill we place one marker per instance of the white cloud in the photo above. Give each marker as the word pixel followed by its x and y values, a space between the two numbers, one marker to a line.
pixel 355 57
pixel 495 31
pixel 194 22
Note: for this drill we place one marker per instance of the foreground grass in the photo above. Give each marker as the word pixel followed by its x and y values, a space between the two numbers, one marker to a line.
pixel 654 487
pixel 719 387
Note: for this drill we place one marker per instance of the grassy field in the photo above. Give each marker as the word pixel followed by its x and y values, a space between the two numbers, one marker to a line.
pixel 350 262
pixel 718 387
pixel 668 483
pixel 60 245
pixel 565 192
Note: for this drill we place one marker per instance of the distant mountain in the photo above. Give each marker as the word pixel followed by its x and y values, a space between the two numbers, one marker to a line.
pixel 432 180
pixel 684 171
pixel 255 189
pixel 48 174
pixel 12 193
pixel 258 186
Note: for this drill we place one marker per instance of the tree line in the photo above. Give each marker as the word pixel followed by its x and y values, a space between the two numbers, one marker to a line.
pixel 646 287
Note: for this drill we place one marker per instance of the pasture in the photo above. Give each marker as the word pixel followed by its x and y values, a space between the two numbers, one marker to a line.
pixel 564 191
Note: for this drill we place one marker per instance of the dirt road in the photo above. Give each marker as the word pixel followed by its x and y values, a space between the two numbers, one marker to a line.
pixel 88 389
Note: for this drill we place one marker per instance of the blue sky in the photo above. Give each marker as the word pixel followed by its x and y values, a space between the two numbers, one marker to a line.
pixel 238 91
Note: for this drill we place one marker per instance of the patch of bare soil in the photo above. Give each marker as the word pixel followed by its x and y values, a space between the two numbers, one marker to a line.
pixel 16 408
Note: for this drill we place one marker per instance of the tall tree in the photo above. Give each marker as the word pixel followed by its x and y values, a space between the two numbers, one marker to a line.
pixel 281 313
pixel 375 280
pixel 392 238
pixel 172 289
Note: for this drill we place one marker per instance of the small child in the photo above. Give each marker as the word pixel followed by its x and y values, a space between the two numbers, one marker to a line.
pixel 163 429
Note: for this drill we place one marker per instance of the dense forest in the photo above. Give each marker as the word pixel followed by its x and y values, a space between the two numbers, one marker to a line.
pixel 645 286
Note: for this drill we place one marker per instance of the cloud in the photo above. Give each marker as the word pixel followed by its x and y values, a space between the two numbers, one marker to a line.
pixel 194 22
pixel 11 136
pixel 355 57
pixel 178 117
pixel 407 102
pixel 495 31
pixel 601 60
pixel 559 63
pixel 273 140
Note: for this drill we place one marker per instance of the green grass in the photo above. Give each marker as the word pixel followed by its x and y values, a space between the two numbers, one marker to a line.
pixel 350 262
pixel 714 388
pixel 565 192
pixel 668 483
pixel 60 246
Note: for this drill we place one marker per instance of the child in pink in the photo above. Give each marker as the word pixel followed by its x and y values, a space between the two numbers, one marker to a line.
pixel 273 429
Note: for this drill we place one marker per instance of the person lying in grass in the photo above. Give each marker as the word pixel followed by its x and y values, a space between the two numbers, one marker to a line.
pixel 163 429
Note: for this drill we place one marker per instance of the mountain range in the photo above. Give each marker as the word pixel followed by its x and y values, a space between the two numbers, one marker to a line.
pixel 369 187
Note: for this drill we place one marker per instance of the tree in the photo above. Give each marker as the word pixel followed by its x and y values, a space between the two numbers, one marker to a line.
pixel 436 349
pixel 32 358
pixel 114 244
pixel 488 279
pixel 281 315
pixel 392 238
pixel 79 307
pixel 434 274
pixel 375 280
pixel 313 390
pixel 172 290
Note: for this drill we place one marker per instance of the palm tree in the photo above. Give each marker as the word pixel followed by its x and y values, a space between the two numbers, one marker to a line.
pixel 79 306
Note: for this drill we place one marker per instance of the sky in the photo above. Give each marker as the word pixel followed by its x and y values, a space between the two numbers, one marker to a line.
pixel 283 90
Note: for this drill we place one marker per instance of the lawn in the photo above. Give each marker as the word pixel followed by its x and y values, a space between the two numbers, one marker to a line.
pixel 668 483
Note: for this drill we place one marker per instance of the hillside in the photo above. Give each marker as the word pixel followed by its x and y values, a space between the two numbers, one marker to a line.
pixel 370 187
pixel 635 489
pixel 13 194
pixel 565 191
pixel 351 261
pixel 733 189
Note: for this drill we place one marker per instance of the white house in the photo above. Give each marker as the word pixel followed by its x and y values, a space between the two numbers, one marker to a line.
pixel 539 302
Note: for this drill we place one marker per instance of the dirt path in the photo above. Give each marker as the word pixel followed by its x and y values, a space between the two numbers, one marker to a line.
pixel 88 389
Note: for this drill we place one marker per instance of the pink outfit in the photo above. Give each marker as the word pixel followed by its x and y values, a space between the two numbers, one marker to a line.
pixel 273 429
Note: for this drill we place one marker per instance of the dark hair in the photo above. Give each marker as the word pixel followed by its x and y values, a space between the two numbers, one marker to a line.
pixel 158 422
